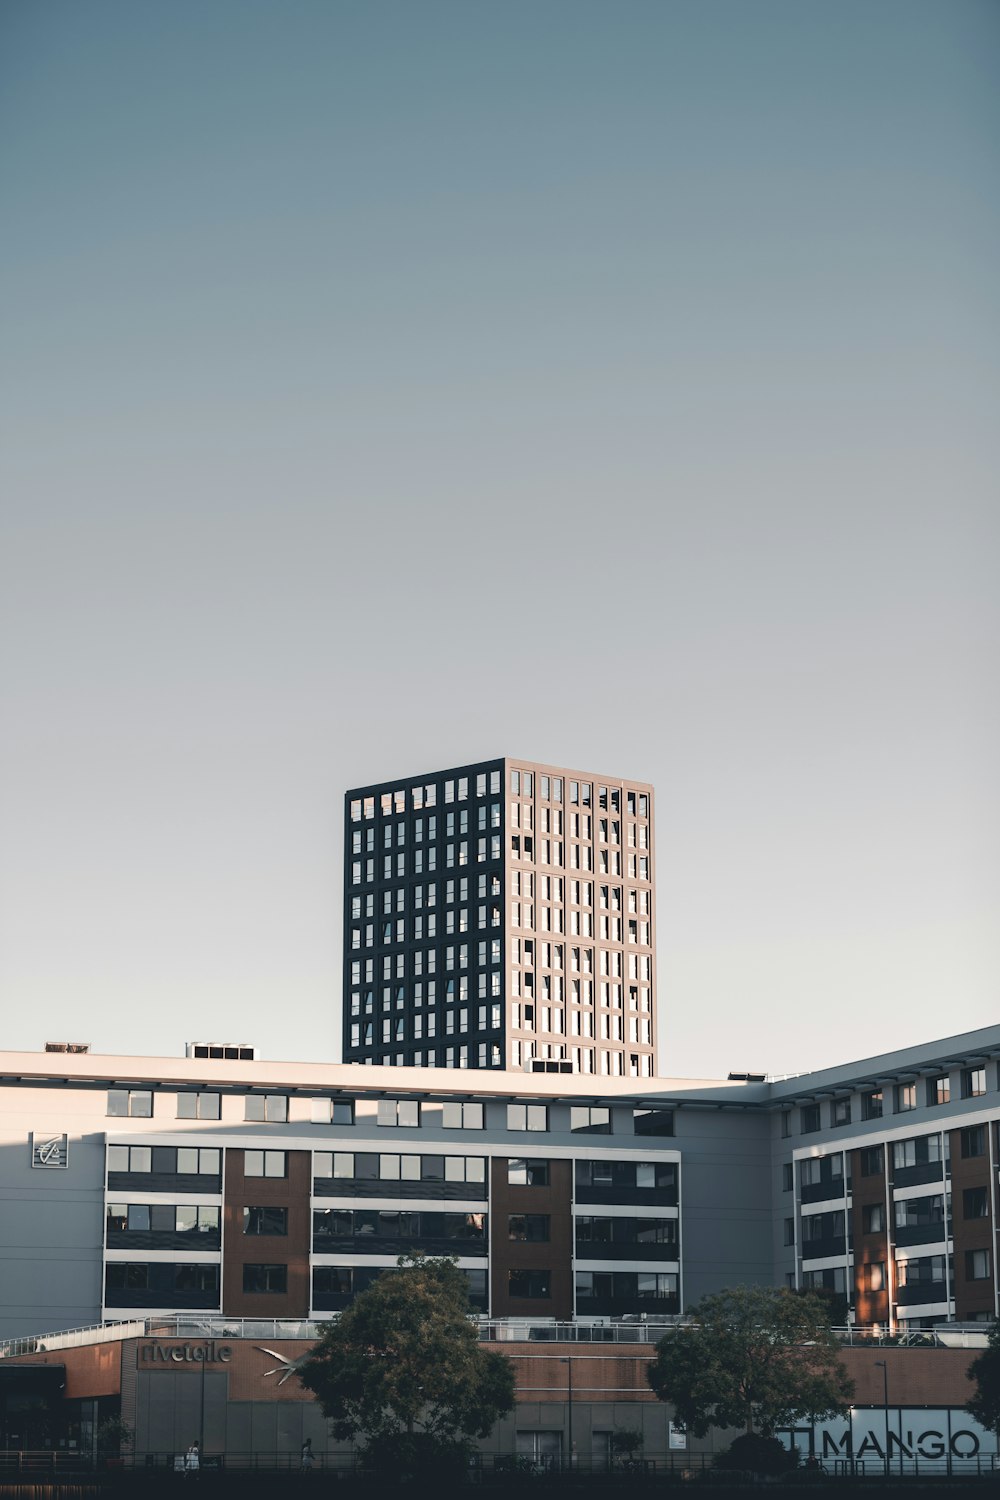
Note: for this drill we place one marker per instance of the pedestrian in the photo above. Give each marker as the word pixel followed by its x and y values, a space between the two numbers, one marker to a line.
pixel 192 1462
pixel 307 1456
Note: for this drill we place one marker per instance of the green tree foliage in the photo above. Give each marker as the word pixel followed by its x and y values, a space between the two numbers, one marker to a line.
pixel 403 1368
pixel 984 1405
pixel 754 1358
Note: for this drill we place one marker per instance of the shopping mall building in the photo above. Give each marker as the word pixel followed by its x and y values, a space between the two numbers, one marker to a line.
pixel 194 1219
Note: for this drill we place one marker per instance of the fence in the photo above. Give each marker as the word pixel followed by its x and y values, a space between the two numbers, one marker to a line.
pixel 61 1464
pixel 629 1330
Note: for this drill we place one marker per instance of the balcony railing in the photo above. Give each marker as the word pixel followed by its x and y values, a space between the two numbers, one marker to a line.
pixel 635 1329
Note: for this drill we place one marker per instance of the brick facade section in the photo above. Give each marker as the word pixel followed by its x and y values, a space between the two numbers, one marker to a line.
pixel 239 1249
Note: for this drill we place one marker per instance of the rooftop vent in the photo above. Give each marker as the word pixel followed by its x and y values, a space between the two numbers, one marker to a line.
pixel 747 1077
pixel 228 1051
pixel 549 1065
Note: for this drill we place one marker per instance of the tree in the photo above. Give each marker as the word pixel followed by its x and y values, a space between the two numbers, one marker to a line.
pixel 114 1434
pixel 625 1444
pixel 754 1358
pixel 985 1371
pixel 403 1368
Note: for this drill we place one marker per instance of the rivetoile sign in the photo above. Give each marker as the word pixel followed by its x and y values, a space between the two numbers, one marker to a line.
pixel 907 1439
pixel 49 1150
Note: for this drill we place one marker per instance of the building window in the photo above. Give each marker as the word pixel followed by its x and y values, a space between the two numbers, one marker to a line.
pixel 871 1105
pixel 977 1265
pixel 272 1108
pixel 906 1097
pixel 199 1106
pixel 392 1166
pixel 160 1218
pixel 918 1151
pixel 264 1279
pixel 975 1203
pixel 525 1283
pixel 786 1123
pixel 973 1140
pixel 527 1117
pixel 872 1161
pixel 809 1121
pixel 522 1172
pixel 462 1116
pixel 939 1090
pixel 840 1112
pixel 333 1111
pixel 873 1218
pixel 136 1103
pixel 265 1164
pixel 973 1083
pixel 920 1212
pixel 789 1231
pixel 920 1271
pixel 653 1121
pixel 201 1161
pixel 401 1113
pixel 787 1177
pixel 590 1120
pixel 873 1276
pixel 265 1220
pixel 531 1227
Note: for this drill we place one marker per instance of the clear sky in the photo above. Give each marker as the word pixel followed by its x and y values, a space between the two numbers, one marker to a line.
pixel 393 385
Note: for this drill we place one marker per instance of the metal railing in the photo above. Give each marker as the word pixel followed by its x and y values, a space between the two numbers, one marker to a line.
pixel 62 1464
pixel 628 1330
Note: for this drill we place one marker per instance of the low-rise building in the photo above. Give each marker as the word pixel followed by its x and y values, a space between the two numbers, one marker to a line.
pixel 134 1186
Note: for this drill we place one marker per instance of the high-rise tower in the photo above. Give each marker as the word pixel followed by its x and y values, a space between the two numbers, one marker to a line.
pixel 501 915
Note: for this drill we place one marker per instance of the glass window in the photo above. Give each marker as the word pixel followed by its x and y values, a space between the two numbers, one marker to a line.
pixel 973 1083
pixel 939 1090
pixel 920 1270
pixel 265 1164
pixel 973 1140
pixel 333 1111
pixel 527 1283
pixel 137 1103
pixel 462 1116
pixel 130 1159
pixel 977 1265
pixel 527 1117
pixel 906 1097
pixel 530 1227
pixel 871 1105
pixel 272 1108
pixel 975 1203
pixel 809 1118
pixel 265 1278
pixel 265 1220
pixel 404 1113
pixel 199 1106
pixel 873 1218
pixel 872 1161
pixel 873 1276
pixel 918 1151
pixel 840 1112
pixel 590 1119
pixel 198 1161
pixel 527 1173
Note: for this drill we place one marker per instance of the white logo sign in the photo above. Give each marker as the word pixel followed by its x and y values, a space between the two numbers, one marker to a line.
pixel 49 1150
pixel 286 1367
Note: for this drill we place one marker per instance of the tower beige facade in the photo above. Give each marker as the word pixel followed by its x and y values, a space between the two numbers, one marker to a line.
pixel 501 915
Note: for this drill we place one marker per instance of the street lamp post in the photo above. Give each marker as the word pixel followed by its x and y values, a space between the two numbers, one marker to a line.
pixel 567 1360
pixel 885 1406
